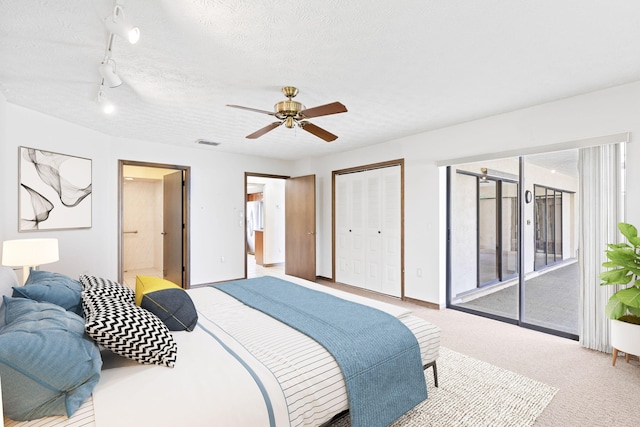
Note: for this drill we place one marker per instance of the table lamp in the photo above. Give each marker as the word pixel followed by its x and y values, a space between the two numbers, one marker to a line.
pixel 29 254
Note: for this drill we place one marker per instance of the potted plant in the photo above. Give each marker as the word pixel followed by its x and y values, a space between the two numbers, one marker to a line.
pixel 624 305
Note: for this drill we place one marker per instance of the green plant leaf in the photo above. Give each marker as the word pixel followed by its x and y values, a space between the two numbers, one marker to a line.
pixel 617 246
pixel 628 230
pixel 614 277
pixel 629 296
pixel 626 255
pixel 635 241
pixel 615 308
pixel 634 310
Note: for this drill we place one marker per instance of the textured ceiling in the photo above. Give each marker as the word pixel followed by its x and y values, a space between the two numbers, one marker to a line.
pixel 400 67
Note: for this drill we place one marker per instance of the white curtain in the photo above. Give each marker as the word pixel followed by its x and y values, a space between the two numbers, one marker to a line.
pixel 601 205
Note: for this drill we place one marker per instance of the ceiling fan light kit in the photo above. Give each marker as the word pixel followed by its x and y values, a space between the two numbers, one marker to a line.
pixel 116 24
pixel 292 113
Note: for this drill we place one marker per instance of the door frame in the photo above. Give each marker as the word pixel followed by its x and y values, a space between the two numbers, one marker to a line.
pixel 186 208
pixel 246 182
pixel 363 168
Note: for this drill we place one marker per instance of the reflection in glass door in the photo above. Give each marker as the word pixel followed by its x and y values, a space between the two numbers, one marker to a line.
pixel 484 239
pixel 529 279
pixel 487 232
pixel 509 229
pixel 548 226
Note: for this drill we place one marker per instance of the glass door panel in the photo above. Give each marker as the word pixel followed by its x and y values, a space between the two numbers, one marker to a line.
pixel 483 244
pixel 509 224
pixel 540 224
pixel 550 222
pixel 487 232
pixel 550 291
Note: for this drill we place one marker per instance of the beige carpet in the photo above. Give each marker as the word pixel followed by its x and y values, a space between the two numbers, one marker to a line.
pixel 475 393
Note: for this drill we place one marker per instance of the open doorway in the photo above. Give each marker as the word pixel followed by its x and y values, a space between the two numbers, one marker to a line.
pixel 153 226
pixel 265 224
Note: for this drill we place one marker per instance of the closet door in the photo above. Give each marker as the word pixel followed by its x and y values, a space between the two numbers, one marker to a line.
pixel 391 231
pixel 373 230
pixel 368 229
pixel 349 229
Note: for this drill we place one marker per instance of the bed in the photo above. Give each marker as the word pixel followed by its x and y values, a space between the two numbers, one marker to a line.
pixel 237 366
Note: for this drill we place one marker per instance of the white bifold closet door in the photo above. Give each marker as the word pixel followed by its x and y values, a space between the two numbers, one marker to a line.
pixel 368 226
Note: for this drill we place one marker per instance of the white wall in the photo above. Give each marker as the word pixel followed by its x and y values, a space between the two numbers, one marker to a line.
pixel 217 194
pixel 599 113
pixel 4 171
pixel 218 228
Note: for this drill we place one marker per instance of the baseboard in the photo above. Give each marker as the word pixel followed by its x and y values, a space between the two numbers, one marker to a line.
pixel 422 303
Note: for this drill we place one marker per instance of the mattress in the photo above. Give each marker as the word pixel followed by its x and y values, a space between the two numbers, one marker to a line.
pixel 238 367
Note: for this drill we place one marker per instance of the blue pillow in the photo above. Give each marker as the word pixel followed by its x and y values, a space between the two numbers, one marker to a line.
pixel 45 286
pixel 47 364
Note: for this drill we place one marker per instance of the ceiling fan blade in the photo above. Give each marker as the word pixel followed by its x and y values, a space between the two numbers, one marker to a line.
pixel 260 132
pixel 255 110
pixel 318 131
pixel 324 110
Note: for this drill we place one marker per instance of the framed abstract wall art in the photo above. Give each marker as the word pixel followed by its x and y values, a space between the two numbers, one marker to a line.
pixel 54 190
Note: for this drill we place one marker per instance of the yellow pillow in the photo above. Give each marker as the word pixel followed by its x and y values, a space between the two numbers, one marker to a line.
pixel 146 284
pixel 168 301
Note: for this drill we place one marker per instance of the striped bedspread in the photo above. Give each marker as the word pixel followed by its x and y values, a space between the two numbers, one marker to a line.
pixel 378 355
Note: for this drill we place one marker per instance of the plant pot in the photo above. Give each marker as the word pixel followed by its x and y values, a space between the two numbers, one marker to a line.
pixel 625 337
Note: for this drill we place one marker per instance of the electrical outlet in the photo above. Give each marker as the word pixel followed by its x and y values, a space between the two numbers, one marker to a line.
pixel 419 272
pixel 221 259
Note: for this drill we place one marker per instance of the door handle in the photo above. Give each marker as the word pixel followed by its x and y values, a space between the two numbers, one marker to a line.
pixel 311 233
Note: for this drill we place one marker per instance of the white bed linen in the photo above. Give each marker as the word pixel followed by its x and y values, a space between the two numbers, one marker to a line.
pixel 208 386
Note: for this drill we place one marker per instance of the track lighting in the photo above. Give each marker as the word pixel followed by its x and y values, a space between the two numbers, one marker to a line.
pixel 118 24
pixel 108 72
pixel 106 105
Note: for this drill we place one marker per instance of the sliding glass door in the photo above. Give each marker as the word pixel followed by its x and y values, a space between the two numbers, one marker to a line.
pixel 531 279
pixel 484 242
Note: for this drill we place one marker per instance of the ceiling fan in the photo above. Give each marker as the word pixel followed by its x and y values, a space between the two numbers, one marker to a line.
pixel 291 113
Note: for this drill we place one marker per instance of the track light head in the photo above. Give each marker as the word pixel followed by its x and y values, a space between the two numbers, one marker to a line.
pixel 108 72
pixel 119 25
pixel 107 106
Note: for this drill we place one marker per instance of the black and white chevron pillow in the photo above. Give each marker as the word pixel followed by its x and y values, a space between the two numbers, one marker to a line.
pixel 129 330
pixel 107 288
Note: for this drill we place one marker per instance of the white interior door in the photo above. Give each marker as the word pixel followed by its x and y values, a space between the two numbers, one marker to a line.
pixel 368 229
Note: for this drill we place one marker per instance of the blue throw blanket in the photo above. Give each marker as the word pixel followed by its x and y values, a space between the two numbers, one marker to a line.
pixel 379 356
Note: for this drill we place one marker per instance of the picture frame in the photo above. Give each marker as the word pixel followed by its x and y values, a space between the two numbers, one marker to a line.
pixel 54 190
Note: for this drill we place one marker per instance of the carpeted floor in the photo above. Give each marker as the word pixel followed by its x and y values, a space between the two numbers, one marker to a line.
pixel 591 392
pixel 474 393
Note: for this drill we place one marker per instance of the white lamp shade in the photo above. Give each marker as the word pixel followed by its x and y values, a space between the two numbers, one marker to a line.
pixel 118 25
pixel 29 252
pixel 108 72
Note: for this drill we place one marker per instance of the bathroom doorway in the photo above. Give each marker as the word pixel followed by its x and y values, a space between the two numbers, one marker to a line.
pixel 153 227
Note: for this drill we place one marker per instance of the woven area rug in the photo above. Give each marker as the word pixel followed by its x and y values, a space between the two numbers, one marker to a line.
pixel 475 393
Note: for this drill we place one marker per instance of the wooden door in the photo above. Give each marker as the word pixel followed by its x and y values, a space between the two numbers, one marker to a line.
pixel 173 228
pixel 300 228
